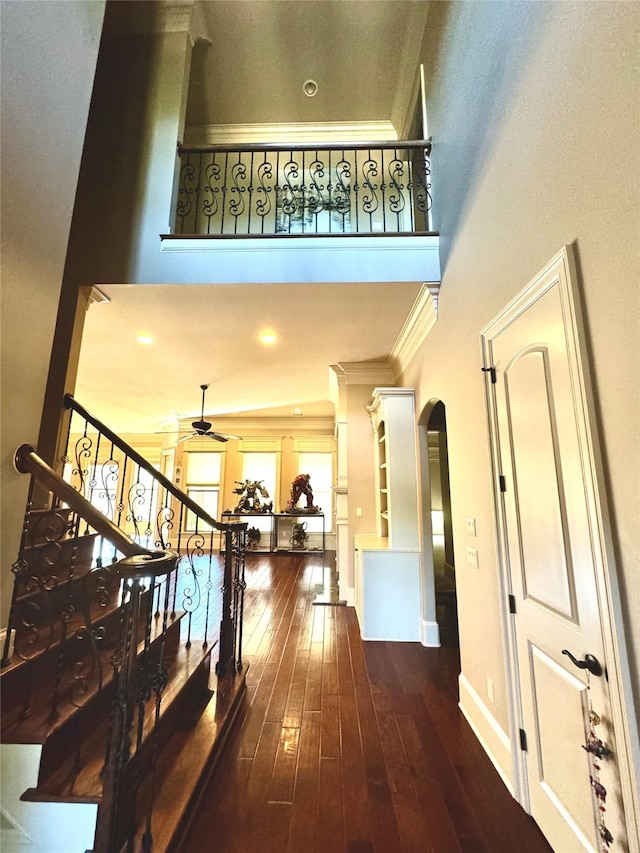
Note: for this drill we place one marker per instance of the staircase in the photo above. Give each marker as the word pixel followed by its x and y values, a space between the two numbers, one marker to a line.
pixel 106 666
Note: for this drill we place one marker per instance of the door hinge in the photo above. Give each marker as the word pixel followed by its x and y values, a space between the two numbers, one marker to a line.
pixel 523 740
pixel 512 604
pixel 492 372
pixel 503 483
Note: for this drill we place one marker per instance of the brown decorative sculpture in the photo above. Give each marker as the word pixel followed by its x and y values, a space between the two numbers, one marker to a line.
pixel 301 486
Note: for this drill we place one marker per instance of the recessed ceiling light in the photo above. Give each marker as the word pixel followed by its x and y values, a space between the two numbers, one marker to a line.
pixel 297 413
pixel 144 339
pixel 268 337
pixel 309 87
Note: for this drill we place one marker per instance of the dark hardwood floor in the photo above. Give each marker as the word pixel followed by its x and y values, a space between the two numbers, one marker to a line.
pixel 348 746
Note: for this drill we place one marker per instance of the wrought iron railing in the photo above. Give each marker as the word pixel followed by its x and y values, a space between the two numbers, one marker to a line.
pixel 153 511
pixel 79 635
pixel 106 610
pixel 363 188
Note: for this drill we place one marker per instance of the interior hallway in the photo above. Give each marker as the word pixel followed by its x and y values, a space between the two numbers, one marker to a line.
pixel 346 745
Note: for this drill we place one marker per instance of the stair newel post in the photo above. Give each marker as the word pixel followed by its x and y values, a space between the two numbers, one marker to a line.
pixel 225 664
pixel 116 811
pixel 239 587
pixel 143 686
pixel 159 678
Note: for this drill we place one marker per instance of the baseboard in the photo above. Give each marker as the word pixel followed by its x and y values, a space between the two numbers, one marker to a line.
pixel 492 737
pixel 429 634
pixel 347 593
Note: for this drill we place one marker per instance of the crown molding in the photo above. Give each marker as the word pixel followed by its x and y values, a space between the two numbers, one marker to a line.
pixel 303 133
pixel 408 80
pixel 166 16
pixel 420 321
pixel 97 296
pixel 364 373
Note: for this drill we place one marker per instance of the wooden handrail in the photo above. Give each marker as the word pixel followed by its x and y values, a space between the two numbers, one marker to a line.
pixel 306 146
pixel 286 236
pixel 71 403
pixel 139 561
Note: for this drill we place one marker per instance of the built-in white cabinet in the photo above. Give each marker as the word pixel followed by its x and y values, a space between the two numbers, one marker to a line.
pixel 393 417
pixel 387 563
pixel 387 590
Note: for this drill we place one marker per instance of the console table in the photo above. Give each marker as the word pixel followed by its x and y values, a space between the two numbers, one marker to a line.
pixel 280 530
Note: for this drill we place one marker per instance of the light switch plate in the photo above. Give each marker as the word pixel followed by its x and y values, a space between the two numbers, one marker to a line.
pixel 472 557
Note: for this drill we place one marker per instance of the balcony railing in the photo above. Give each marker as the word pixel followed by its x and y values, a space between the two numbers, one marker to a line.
pixel 251 190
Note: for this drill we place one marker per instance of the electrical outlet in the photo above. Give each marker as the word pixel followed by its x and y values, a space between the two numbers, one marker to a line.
pixel 472 557
pixel 359 512
pixel 490 690
pixel 471 526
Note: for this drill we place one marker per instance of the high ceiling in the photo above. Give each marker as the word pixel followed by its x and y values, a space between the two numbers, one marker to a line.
pixel 363 56
pixel 361 53
pixel 209 334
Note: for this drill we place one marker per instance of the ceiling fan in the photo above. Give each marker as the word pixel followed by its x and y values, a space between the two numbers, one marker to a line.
pixel 202 428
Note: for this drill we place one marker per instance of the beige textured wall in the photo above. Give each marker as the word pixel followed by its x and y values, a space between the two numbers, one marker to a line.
pixel 126 186
pixel 534 112
pixel 49 53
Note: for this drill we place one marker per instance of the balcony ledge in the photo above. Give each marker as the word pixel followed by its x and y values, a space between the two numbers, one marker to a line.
pixel 295 258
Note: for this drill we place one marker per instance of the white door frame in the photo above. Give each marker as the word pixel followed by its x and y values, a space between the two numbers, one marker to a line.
pixel 560 271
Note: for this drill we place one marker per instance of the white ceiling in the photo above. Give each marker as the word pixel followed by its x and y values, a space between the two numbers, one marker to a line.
pixel 363 55
pixel 208 334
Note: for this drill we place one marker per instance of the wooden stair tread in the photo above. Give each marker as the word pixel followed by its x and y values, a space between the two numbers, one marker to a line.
pixel 37 728
pixel 85 784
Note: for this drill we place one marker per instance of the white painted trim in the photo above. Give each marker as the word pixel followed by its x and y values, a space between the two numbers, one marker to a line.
pixel 421 319
pixel 423 103
pixel 96 296
pixel 561 272
pixel 327 258
pixel 492 737
pixel 348 594
pixel 290 134
pixel 172 16
pixel 429 634
pixel 408 82
pixel 365 373
pixel 380 394
pixel 350 243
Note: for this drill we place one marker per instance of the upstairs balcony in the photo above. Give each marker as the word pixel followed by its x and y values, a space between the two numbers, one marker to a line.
pixel 306 212
pixel 304 190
